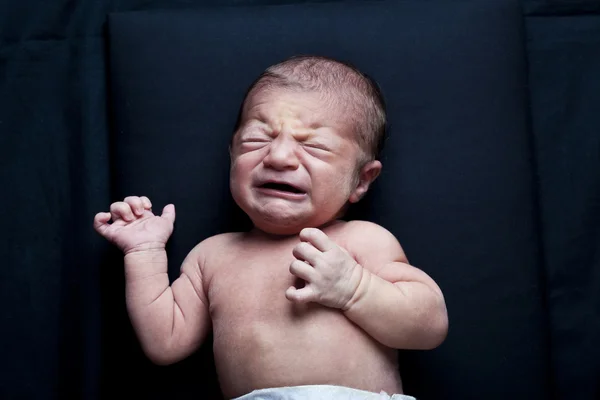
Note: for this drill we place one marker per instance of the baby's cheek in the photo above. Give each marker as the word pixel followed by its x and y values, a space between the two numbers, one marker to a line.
pixel 241 168
pixel 237 183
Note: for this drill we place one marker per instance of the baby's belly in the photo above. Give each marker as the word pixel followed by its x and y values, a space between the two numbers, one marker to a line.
pixel 287 345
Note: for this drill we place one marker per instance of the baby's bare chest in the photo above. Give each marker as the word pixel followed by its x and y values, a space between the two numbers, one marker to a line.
pixel 251 314
pixel 251 280
pixel 248 280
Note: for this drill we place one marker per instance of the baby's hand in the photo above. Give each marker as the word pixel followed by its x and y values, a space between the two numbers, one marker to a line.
pixel 134 226
pixel 331 274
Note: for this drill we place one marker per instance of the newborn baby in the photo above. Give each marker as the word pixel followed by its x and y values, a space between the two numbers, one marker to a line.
pixel 305 305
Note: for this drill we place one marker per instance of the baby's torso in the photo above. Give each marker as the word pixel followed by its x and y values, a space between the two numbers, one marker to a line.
pixel 261 339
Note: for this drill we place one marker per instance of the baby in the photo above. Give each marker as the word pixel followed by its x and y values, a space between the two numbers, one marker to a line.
pixel 304 305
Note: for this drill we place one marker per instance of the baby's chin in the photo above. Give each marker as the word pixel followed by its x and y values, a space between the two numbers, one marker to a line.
pixel 278 226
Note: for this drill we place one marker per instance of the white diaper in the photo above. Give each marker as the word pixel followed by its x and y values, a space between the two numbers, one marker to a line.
pixel 319 392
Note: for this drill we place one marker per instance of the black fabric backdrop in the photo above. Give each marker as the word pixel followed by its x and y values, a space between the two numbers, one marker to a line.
pixel 56 173
pixel 456 187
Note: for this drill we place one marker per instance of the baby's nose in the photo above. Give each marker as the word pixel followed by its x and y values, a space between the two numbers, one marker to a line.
pixel 282 154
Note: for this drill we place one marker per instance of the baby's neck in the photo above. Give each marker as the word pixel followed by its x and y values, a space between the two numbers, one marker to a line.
pixel 272 236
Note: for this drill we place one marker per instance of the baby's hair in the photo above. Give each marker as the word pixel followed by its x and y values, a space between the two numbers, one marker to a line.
pixel 341 84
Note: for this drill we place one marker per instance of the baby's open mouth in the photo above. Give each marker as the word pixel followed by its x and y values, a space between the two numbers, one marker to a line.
pixel 283 187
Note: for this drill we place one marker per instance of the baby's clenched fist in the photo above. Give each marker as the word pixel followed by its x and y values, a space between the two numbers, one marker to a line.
pixel 134 227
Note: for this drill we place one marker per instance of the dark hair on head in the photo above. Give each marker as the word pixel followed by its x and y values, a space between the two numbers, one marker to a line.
pixel 341 84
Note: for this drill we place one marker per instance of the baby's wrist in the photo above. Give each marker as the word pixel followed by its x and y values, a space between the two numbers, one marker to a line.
pixel 145 262
pixel 362 288
pixel 145 248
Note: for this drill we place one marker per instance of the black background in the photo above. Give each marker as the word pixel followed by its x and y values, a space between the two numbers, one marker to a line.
pixel 56 173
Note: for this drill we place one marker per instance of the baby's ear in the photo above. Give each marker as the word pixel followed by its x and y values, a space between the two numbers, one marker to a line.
pixel 367 174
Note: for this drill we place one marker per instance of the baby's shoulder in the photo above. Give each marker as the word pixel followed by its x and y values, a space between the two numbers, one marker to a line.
pixel 221 240
pixel 366 239
pixel 218 244
pixel 367 231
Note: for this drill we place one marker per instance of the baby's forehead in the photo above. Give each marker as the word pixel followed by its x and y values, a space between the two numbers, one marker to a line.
pixel 310 106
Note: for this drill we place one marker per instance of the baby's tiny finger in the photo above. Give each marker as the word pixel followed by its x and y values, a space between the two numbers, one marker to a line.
pixel 317 238
pixel 306 252
pixel 146 202
pixel 303 295
pixel 169 212
pixel 136 204
pixel 101 221
pixel 302 270
pixel 121 210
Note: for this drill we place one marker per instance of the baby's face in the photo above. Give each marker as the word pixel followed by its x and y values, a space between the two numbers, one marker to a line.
pixel 293 161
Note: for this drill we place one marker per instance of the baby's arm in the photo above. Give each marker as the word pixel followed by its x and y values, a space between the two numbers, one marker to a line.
pixel 397 304
pixel 171 322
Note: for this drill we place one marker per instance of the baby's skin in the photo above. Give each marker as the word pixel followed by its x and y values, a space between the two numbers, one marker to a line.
pixel 302 299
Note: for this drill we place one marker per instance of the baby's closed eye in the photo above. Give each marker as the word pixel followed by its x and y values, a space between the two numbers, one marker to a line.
pixel 254 144
pixel 316 146
pixel 254 138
